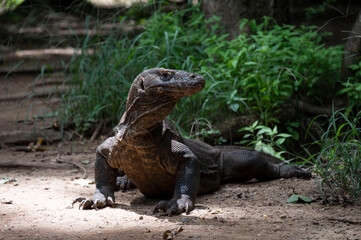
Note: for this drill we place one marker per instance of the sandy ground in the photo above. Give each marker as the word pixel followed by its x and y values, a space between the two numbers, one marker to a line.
pixel 41 206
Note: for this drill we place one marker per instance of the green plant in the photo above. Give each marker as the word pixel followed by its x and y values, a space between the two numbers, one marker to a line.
pixel 264 139
pixel 247 75
pixel 202 128
pixel 338 164
pixel 9 5
pixel 353 87
pixel 100 80
pixel 273 65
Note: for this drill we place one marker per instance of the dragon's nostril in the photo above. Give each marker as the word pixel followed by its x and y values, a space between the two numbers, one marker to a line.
pixel 192 76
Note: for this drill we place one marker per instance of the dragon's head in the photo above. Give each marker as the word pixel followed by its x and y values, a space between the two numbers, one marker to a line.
pixel 153 95
pixel 160 83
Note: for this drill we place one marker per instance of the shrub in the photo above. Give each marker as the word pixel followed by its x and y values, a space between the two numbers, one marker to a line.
pixel 338 164
pixel 271 66
pixel 248 75
pixel 353 87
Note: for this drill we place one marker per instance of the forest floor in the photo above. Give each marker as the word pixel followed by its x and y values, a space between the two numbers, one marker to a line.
pixel 38 205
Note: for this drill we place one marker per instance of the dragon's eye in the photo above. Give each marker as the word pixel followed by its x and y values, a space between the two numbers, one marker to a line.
pixel 166 76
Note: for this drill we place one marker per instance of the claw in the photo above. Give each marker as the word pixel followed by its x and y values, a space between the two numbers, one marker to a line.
pixel 162 205
pixel 187 208
pixel 86 204
pixel 95 205
pixel 78 199
pixel 110 202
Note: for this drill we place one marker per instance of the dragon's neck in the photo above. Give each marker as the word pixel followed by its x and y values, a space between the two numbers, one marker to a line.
pixel 141 118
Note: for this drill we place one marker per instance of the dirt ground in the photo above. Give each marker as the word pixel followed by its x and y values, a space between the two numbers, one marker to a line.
pixel 41 206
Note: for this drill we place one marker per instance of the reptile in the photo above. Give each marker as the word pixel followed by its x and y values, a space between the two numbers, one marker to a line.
pixel 159 161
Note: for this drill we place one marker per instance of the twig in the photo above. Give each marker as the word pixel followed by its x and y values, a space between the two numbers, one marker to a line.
pixel 97 130
pixel 344 220
pixel 73 163
pixel 343 15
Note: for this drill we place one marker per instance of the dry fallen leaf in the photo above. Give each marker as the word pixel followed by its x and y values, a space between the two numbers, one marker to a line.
pixel 218 211
pixel 179 230
pixel 168 235
pixel 83 182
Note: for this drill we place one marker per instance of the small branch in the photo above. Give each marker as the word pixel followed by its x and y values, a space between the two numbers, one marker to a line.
pixel 345 221
pixel 97 130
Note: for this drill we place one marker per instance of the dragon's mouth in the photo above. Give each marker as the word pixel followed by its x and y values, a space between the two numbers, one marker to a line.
pixel 177 88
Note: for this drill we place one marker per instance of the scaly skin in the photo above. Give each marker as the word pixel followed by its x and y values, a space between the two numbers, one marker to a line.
pixel 158 161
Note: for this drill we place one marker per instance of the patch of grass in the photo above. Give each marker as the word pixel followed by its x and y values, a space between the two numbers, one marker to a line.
pixel 100 81
pixel 253 74
pixel 338 164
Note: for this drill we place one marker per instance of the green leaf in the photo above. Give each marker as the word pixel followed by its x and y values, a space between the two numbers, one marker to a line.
pixel 234 63
pixel 305 199
pixel 6 180
pixel 247 135
pixel 250 63
pixel 234 107
pixel 299 199
pixel 265 130
pixel 254 124
pixel 280 141
pixel 248 129
pixel 85 162
pixel 284 135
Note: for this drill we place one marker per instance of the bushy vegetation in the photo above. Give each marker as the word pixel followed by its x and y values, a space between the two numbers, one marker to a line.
pixel 352 88
pixel 272 65
pixel 338 164
pixel 248 75
pixel 101 81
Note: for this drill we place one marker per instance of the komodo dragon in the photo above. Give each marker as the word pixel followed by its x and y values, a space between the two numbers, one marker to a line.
pixel 159 161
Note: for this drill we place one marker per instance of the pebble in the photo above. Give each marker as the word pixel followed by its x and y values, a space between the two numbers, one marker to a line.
pixel 185 220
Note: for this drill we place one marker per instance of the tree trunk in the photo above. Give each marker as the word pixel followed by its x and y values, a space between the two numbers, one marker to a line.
pixel 232 11
pixel 352 50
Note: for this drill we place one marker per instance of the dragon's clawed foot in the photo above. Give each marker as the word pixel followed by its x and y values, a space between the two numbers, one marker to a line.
pixel 175 206
pixel 94 203
pixel 124 183
pixel 288 171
